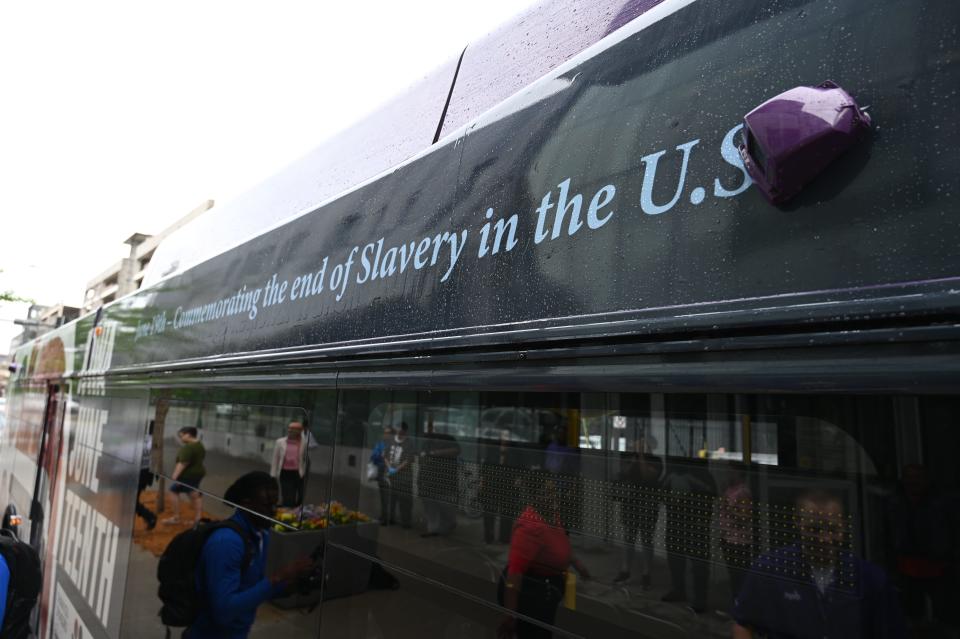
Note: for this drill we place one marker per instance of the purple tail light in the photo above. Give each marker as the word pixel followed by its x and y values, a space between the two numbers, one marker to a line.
pixel 788 140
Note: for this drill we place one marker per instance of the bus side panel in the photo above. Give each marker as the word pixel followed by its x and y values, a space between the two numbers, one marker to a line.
pixel 613 189
pixel 90 529
pixel 21 446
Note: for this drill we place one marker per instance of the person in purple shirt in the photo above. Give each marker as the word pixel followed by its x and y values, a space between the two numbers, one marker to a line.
pixel 231 590
pixel 816 588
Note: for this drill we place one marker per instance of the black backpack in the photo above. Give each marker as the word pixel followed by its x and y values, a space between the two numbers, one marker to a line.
pixel 177 572
pixel 23 590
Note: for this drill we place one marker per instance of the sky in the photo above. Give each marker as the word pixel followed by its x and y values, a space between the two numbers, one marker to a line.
pixel 122 117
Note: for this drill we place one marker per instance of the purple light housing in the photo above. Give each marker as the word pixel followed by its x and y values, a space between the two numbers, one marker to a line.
pixel 788 140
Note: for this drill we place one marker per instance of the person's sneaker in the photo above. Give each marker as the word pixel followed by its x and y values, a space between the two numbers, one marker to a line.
pixel 622 576
pixel 673 596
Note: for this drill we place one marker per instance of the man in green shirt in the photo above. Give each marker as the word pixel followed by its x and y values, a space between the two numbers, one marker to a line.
pixel 187 475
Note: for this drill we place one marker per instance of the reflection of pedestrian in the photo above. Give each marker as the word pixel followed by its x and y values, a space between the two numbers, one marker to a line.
pixel 639 497
pixel 498 490
pixel 232 578
pixel 438 481
pixel 736 530
pixel 399 460
pixel 289 464
pixel 564 462
pixel 559 458
pixel 924 526
pixel 187 474
pixel 689 508
pixel 817 588
pixel 540 554
pixel 377 458
pixel 146 479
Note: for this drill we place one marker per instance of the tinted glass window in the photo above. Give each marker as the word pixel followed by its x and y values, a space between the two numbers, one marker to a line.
pixel 283 438
pixel 663 515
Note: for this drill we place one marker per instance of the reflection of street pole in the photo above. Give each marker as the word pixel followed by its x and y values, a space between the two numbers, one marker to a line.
pixel 157 451
pixel 747 437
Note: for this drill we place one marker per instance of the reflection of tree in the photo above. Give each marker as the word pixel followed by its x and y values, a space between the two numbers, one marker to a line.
pixel 156 450
pixel 10 296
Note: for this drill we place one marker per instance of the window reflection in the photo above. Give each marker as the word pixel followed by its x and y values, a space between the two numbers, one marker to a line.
pixel 240 439
pixel 674 504
pixel 231 437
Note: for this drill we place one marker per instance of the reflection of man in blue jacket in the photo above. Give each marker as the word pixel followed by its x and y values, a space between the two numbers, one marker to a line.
pixel 378 459
pixel 232 590
pixel 817 588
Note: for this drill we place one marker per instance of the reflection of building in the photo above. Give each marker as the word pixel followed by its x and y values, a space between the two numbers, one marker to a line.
pixel 41 319
pixel 4 378
pixel 126 275
pixel 58 315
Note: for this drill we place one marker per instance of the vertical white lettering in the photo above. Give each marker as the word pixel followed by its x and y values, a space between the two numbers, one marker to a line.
pixel 107 565
pixel 85 533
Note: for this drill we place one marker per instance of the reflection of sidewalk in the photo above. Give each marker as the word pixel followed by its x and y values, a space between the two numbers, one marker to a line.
pixel 156 540
pixel 628 606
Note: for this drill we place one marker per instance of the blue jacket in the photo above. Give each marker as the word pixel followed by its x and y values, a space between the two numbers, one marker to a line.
pixel 377 455
pixel 4 584
pixel 779 598
pixel 231 592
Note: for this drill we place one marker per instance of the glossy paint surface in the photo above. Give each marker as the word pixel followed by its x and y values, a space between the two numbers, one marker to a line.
pixel 642 137
pixel 530 46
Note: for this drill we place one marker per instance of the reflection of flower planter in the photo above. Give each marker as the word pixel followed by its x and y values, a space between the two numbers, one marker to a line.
pixel 344 573
pixel 317 517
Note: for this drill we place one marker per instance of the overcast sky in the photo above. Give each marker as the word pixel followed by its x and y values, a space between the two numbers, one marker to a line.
pixel 121 117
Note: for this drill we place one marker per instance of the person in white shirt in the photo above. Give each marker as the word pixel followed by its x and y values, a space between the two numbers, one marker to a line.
pixel 290 464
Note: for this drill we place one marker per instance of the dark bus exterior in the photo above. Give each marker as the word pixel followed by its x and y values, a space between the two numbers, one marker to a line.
pixel 577 288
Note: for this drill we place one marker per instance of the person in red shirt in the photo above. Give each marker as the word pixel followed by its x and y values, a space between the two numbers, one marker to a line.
pixel 540 554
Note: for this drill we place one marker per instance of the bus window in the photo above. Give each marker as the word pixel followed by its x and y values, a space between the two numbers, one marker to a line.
pixel 285 437
pixel 669 502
